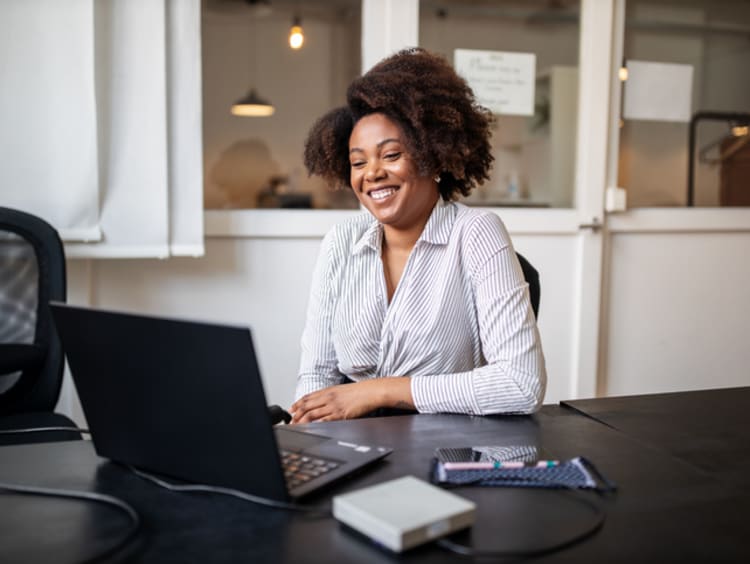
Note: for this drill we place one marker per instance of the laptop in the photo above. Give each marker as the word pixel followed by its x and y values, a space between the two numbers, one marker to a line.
pixel 185 399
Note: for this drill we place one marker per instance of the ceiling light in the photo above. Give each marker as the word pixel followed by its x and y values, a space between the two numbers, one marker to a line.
pixel 296 35
pixel 252 105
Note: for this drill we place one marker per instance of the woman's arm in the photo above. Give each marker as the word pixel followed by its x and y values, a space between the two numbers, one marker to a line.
pixel 514 378
pixel 318 365
pixel 349 401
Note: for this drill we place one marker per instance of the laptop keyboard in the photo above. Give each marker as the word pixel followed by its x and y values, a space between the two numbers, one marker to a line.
pixel 301 468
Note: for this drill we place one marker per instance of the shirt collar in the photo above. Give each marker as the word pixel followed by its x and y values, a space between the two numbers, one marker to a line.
pixel 372 238
pixel 436 231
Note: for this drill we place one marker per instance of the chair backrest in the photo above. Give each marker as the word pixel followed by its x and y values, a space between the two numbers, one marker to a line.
pixel 532 278
pixel 32 272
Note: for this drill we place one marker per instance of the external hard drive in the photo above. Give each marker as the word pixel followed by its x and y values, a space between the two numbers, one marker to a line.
pixel 403 513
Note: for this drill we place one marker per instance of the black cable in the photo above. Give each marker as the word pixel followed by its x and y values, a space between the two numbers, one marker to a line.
pixel 203 488
pixel 133 517
pixel 470 552
pixel 44 430
pixel 188 487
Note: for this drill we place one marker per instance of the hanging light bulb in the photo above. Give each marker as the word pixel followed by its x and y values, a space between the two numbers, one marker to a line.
pixel 296 36
pixel 252 105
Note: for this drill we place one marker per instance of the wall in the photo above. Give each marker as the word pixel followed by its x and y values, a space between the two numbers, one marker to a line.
pixel 679 314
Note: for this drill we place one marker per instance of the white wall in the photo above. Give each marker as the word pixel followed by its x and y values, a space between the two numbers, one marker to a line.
pixel 679 314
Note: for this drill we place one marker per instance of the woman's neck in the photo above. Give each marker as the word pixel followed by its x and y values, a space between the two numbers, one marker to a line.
pixel 403 239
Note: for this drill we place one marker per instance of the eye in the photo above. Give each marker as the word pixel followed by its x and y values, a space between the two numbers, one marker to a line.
pixel 392 156
pixel 357 164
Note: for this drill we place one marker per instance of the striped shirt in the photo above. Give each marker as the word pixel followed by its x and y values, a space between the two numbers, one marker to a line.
pixel 460 322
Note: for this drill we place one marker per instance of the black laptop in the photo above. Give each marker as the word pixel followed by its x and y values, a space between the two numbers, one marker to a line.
pixel 185 399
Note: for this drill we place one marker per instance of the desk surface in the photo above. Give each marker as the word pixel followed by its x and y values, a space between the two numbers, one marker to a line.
pixel 709 429
pixel 667 508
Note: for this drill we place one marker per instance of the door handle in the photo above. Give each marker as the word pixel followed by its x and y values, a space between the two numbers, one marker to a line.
pixel 594 226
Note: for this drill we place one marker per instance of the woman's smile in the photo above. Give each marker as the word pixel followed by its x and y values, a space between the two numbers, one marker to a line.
pixel 382 194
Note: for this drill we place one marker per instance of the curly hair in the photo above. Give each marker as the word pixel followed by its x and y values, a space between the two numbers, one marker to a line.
pixel 446 131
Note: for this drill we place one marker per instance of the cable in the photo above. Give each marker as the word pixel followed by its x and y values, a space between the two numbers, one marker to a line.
pixel 44 430
pixel 202 488
pixel 133 517
pixel 464 550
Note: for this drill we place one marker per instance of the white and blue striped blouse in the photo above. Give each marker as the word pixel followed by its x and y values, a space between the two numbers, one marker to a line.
pixel 460 322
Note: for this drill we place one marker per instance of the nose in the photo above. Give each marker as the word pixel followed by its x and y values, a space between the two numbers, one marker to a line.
pixel 374 172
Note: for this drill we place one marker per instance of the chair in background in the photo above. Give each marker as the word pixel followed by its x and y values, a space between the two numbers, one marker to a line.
pixel 32 272
pixel 532 278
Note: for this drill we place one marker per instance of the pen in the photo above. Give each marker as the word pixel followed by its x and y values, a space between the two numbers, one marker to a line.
pixel 497 464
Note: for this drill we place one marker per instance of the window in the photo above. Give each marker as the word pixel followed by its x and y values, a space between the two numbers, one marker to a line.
pixel 252 162
pixel 534 154
pixel 660 163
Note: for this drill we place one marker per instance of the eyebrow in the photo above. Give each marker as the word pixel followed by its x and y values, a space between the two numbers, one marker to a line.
pixel 379 145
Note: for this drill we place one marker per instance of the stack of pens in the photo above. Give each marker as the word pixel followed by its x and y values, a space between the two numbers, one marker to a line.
pixel 572 473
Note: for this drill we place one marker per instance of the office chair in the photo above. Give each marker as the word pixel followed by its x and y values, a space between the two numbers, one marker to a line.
pixel 532 278
pixel 32 272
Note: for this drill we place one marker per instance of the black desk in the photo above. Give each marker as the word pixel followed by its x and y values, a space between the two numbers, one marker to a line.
pixel 709 429
pixel 668 508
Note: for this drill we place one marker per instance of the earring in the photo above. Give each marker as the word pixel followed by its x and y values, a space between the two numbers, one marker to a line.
pixel 437 178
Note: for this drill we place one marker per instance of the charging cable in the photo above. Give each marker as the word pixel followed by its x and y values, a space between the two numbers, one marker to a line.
pixel 203 488
pixel 132 515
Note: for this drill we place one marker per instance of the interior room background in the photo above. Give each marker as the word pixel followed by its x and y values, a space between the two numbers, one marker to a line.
pixel 202 214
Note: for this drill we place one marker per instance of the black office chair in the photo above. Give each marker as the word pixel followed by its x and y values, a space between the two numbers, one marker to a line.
pixel 532 278
pixel 32 272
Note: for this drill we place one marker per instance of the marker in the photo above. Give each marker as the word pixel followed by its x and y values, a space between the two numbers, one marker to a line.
pixel 497 465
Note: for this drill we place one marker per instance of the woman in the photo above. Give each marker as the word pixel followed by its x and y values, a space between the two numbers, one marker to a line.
pixel 420 304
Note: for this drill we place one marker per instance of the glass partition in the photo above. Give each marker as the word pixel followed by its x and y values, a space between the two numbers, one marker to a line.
pixel 685 103
pixel 534 136
pixel 253 161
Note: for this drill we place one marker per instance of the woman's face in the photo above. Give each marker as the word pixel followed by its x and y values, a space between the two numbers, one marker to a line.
pixel 384 177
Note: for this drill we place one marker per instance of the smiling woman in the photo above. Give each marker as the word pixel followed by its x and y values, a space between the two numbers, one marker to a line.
pixel 420 304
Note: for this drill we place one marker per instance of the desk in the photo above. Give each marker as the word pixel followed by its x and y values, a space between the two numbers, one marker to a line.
pixel 667 509
pixel 709 429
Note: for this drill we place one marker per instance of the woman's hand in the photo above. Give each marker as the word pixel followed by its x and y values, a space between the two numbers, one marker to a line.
pixel 349 401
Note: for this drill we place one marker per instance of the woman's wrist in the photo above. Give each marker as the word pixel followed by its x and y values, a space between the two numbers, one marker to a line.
pixel 396 392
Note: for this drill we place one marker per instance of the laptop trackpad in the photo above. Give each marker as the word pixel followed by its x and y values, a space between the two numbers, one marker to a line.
pixel 294 440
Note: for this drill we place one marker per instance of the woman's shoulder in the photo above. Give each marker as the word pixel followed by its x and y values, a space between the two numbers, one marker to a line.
pixel 345 236
pixel 477 225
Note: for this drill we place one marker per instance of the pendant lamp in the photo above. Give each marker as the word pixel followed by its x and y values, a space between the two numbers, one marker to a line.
pixel 252 105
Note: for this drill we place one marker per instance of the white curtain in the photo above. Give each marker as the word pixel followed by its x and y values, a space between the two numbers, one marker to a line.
pixel 48 140
pixel 130 130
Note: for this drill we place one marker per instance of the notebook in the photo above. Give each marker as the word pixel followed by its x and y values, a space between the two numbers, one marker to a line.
pixel 185 399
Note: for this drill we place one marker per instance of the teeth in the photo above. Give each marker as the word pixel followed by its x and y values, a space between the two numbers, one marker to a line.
pixel 382 193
